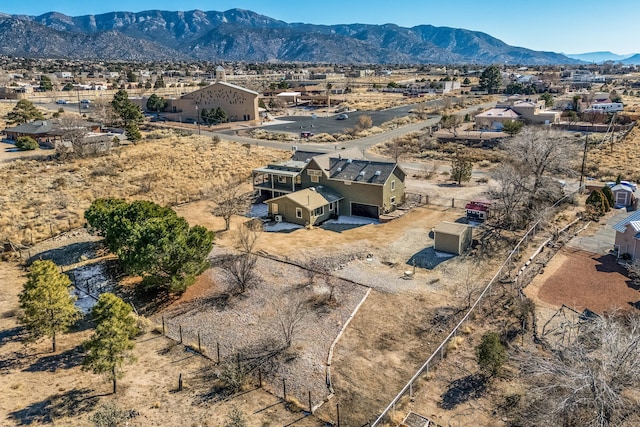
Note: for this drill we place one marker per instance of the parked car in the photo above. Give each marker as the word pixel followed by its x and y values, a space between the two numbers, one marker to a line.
pixel 85 101
pixel 306 134
pixel 342 117
pixel 61 101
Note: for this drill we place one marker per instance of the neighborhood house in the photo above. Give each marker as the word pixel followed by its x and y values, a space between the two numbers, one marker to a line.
pixel 628 235
pixel 313 187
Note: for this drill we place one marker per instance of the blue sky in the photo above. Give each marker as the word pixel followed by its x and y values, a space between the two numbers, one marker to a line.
pixel 569 26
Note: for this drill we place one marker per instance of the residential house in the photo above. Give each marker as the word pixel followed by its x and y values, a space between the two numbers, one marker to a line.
pixel 627 240
pixel 356 186
pixel 495 118
pixel 46 132
pixel 310 206
pixel 516 108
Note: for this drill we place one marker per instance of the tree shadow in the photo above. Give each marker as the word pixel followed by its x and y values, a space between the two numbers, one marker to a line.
pixel 69 254
pixel 70 404
pixel 13 360
pixel 51 363
pixel 12 334
pixel 463 390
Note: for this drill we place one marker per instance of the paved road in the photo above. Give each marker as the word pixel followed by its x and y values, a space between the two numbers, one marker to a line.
pixel 362 143
pixel 603 238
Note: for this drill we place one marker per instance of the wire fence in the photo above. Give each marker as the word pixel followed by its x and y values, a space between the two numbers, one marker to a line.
pixel 439 353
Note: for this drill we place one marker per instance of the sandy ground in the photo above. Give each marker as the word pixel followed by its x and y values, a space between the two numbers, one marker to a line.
pixel 582 280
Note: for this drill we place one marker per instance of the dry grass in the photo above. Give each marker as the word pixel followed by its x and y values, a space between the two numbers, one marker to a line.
pixel 44 197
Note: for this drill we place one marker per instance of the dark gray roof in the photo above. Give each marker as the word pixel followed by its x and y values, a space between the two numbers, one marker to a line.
pixel 360 170
pixel 302 156
pixel 46 127
pixel 39 127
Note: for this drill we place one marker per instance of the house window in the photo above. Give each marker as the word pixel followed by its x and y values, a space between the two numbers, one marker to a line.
pixel 298 212
pixel 282 179
pixel 319 211
pixel 298 179
pixel 315 179
pixel 393 185
pixel 393 200
pixel 331 206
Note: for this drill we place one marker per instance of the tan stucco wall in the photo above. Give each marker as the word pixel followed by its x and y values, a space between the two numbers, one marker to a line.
pixel 627 243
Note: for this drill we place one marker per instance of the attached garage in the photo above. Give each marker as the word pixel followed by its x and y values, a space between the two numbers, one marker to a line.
pixel 367 211
pixel 452 237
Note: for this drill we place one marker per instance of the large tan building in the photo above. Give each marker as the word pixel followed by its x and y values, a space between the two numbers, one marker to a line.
pixel 239 103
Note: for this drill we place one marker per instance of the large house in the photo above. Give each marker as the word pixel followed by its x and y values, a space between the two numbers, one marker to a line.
pixel 47 132
pixel 312 187
pixel 627 240
pixel 516 108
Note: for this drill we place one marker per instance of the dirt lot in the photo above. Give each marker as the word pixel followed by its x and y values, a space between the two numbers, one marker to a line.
pixel 583 280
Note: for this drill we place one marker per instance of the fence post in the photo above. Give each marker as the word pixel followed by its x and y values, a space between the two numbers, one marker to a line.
pixel 163 331
pixel 259 377
pixel 199 347
pixel 310 406
pixel 453 202
pixel 284 389
pixel 180 382
pixel 411 391
pixel 218 351
pixel 180 329
pixel 338 413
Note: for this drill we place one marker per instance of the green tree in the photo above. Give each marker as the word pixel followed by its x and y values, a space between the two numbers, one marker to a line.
pixel 68 87
pixel 597 203
pixel 548 99
pixel 393 85
pixel 132 77
pixel 512 127
pixel 461 167
pixel 491 79
pixel 132 131
pixel 220 116
pixel 491 353
pixel 156 103
pixel 112 343
pixel 45 84
pixel 24 112
pixel 152 241
pixel 24 143
pixel 608 194
pixel 125 109
pixel 159 83
pixel 46 301
pixel 466 81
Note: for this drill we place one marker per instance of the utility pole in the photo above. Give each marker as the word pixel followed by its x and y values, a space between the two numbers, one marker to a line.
pixel 584 162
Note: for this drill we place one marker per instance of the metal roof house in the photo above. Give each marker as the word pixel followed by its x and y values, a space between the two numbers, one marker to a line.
pixel 627 239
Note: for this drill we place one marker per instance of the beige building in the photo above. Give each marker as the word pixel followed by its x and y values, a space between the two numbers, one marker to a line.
pixel 452 237
pixel 239 103
pixel 627 241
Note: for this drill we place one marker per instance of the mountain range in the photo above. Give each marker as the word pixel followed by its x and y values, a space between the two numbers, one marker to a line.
pixel 600 57
pixel 242 35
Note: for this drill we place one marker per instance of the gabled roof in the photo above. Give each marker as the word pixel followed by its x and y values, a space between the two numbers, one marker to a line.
pixel 324 163
pixel 360 170
pixel 621 227
pixel 621 187
pixel 311 198
pixel 244 89
pixel 303 156
pixel 47 127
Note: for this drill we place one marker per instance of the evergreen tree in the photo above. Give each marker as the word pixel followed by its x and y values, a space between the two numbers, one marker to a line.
pixel 132 131
pixel 491 353
pixel 491 79
pixel 112 343
pixel 461 168
pixel 512 127
pixel 45 84
pixel 24 112
pixel 46 301
pixel 156 103
pixel 608 194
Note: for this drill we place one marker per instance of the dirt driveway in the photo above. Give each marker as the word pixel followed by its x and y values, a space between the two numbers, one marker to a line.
pixel 581 279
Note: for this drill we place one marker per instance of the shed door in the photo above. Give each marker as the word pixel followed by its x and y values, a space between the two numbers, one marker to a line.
pixel 274 208
pixel 621 198
pixel 367 211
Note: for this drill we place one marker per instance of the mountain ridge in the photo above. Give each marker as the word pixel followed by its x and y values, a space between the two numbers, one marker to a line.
pixel 243 35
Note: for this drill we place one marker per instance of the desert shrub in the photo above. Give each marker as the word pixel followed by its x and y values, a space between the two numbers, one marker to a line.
pixel 608 194
pixel 233 376
pixel 491 353
pixel 109 415
pixel 25 143
pixel 597 203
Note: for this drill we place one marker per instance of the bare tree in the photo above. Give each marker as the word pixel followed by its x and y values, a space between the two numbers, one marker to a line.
pixel 73 132
pixel 230 199
pixel 525 179
pixel 591 381
pixel 240 270
pixel 248 235
pixel 290 317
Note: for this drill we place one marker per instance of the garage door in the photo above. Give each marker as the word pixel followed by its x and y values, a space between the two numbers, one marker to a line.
pixel 367 211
